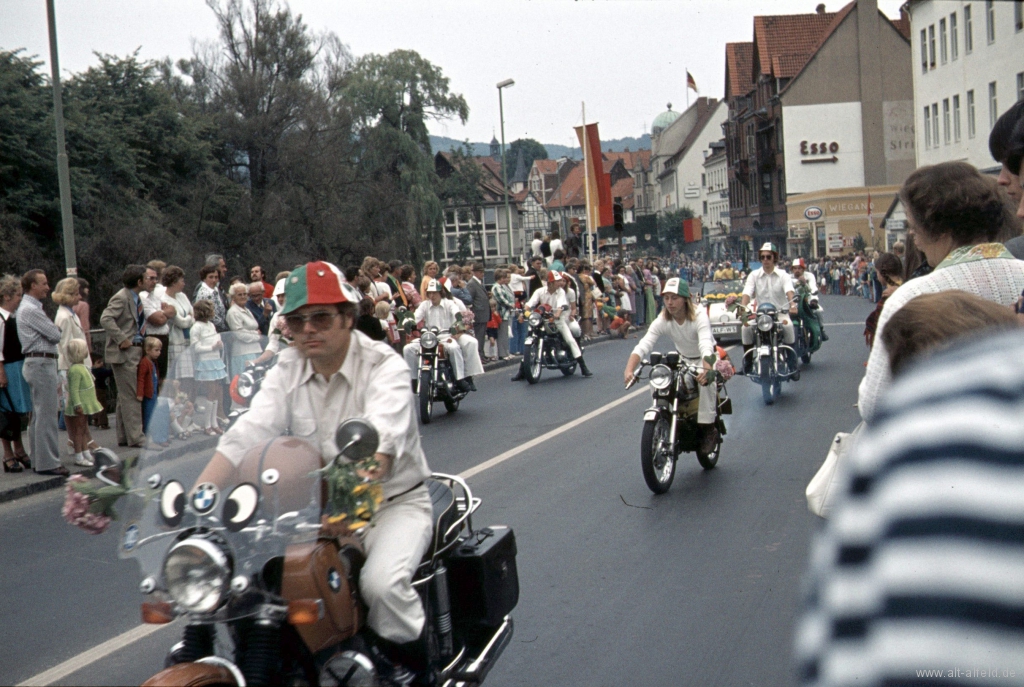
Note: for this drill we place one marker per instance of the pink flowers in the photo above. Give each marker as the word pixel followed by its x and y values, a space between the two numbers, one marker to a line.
pixel 77 505
pixel 724 367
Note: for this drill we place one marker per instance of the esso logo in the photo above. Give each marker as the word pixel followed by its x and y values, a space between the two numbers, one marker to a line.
pixel 813 213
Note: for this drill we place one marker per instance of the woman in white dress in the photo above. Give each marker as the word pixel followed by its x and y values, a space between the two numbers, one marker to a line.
pixel 180 363
pixel 246 342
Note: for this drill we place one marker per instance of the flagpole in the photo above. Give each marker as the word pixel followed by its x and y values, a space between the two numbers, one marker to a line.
pixel 686 71
pixel 586 185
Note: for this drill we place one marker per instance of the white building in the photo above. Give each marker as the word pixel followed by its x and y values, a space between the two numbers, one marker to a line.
pixel 968 70
pixel 715 181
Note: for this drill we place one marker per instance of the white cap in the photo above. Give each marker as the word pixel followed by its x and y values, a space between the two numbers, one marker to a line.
pixel 433 286
pixel 279 287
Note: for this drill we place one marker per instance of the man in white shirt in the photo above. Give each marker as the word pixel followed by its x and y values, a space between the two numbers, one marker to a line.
pixel 555 245
pixel 331 374
pixel 802 275
pixel 462 350
pixel 767 284
pixel 554 297
pixel 535 245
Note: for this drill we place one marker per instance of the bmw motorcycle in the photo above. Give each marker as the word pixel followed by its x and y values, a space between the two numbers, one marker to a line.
pixel 544 347
pixel 244 388
pixel 269 595
pixel 437 377
pixel 670 424
pixel 771 360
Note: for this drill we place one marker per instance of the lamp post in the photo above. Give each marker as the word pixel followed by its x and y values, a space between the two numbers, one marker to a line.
pixel 63 175
pixel 504 170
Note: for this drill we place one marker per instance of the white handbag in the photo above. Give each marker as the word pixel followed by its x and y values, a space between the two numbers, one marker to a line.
pixel 822 488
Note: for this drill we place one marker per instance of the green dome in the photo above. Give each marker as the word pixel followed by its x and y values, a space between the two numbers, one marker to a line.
pixel 663 120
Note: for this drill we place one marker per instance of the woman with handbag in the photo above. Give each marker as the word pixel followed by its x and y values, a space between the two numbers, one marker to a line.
pixel 14 392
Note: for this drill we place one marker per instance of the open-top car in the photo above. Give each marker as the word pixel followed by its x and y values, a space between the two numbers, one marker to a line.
pixel 724 324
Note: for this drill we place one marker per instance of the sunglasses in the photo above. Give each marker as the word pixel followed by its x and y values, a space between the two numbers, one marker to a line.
pixel 767 256
pixel 321 321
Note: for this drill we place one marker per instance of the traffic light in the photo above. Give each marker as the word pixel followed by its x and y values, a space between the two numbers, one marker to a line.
pixel 617 216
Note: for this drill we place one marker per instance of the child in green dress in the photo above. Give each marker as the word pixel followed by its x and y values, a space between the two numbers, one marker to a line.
pixel 81 403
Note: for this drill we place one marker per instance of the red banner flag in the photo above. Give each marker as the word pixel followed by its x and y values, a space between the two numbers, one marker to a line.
pixel 600 183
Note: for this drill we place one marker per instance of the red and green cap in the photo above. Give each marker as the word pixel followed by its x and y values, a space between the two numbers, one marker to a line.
pixel 316 283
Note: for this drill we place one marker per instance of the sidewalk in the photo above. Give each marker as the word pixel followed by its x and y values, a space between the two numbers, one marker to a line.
pixel 19 485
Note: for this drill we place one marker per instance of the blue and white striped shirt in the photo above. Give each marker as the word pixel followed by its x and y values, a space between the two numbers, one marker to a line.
pixel 36 331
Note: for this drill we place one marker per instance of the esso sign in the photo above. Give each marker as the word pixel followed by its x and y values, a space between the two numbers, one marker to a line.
pixel 812 213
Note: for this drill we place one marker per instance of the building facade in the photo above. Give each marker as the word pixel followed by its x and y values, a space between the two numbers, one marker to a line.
pixel 968 67
pixel 715 210
pixel 833 222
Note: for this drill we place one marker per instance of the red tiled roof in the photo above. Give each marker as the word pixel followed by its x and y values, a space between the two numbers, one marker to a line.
pixel 902 25
pixel 796 36
pixel 571 192
pixel 623 188
pixel 546 166
pixel 629 158
pixel 739 67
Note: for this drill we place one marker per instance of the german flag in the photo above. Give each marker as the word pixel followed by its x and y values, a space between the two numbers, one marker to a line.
pixel 690 83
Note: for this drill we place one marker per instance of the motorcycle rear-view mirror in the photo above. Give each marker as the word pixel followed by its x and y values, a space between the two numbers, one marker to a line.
pixel 108 466
pixel 356 439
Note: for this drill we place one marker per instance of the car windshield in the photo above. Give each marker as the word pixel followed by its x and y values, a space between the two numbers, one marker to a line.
pixel 720 290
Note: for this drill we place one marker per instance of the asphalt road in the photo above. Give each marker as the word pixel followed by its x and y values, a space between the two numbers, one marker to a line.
pixel 618 587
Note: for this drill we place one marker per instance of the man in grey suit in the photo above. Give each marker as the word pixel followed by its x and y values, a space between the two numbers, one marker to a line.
pixel 124 321
pixel 481 306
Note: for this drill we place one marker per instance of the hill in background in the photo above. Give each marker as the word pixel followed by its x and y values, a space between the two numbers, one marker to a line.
pixel 443 144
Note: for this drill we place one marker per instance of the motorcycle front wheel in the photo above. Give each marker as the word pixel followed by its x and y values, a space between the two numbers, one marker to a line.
pixel 769 386
pixel 657 460
pixel 532 363
pixel 426 397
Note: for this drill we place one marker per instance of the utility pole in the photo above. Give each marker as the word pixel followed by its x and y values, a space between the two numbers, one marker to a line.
pixel 504 170
pixel 63 174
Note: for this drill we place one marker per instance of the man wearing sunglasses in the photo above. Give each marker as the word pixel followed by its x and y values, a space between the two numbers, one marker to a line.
pixel 767 284
pixel 332 373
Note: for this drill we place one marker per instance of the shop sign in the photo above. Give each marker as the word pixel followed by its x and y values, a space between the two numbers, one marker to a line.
pixel 835 242
pixel 798 232
pixel 813 212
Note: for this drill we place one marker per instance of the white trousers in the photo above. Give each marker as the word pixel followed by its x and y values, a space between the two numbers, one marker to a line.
pixel 396 541
pixel 461 351
pixel 708 400
pixel 567 337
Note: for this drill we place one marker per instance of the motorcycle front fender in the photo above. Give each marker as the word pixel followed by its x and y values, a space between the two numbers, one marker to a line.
pixel 528 341
pixel 650 414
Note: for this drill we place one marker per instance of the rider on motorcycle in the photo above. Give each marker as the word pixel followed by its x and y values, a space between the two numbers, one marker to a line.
pixel 462 350
pixel 767 284
pixel 812 317
pixel 554 297
pixel 690 330
pixel 330 374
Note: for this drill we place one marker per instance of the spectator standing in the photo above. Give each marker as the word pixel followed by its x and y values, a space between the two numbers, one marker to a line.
pixel 430 271
pixel 157 312
pixel 206 290
pixel 207 349
pixel 506 302
pixel 67 296
pixel 535 281
pixel 15 396
pixel 379 290
pixel 245 331
pixel 888 268
pixel 83 312
pixel 481 306
pixel 519 284
pixel 124 322
pixel 256 274
pixel 558 260
pixel 954 213
pixel 555 245
pixel 392 277
pixel 538 239
pixel 179 357
pixel 81 402
pixel 39 337
pixel 260 307
pixel 407 274
pixel 573 242
pixel 148 383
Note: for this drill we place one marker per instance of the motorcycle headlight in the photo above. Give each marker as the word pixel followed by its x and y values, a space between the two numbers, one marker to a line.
pixel 534 319
pixel 197 573
pixel 246 385
pixel 428 340
pixel 765 322
pixel 661 377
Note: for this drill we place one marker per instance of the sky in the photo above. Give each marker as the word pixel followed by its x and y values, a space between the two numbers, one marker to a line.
pixel 625 59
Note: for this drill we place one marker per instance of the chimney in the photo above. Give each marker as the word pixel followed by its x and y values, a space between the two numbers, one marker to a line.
pixel 820 9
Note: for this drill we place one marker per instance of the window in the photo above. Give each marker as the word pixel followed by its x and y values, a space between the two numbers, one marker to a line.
pixel 705 213
pixel 492 242
pixel 782 186
pixel 954 40
pixel 927 127
pixel 453 244
pixel 935 124
pixel 943 54
pixel 956 118
pixel 990 21
pixel 968 31
pixel 971 126
pixel 490 217
pixel 1020 86
pixel 924 51
pixel 993 107
pixel 766 189
pixel 931 46
pixel 945 121
pixel 703 180
pixel 1018 15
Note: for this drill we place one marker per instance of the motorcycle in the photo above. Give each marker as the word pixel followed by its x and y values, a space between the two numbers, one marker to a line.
pixel 772 361
pixel 245 386
pixel 806 343
pixel 269 595
pixel 544 347
pixel 437 377
pixel 670 424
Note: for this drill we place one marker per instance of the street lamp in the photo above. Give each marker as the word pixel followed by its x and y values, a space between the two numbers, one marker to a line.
pixel 63 175
pixel 504 170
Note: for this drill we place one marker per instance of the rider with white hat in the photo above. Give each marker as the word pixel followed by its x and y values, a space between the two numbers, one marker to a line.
pixel 767 284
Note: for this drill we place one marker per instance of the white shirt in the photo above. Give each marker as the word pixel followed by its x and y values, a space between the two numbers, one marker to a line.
pixel 556 244
pixel 3 319
pixel 812 282
pixel 151 303
pixel 999 280
pixel 518 283
pixel 555 300
pixel 372 384
pixel 769 288
pixel 693 339
pixel 535 248
pixel 441 315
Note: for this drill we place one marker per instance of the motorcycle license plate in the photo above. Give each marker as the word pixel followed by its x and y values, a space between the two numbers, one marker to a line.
pixel 725 329
pixel 764 350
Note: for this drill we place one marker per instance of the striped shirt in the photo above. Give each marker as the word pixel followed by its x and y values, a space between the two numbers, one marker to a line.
pixel 36 331
pixel 919 573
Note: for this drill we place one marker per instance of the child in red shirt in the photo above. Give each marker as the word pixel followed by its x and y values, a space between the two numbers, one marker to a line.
pixel 148 384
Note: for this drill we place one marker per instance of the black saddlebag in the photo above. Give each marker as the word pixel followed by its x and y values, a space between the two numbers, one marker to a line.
pixel 484 579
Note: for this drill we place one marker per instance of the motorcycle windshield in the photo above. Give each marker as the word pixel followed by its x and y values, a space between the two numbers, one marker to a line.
pixel 272 499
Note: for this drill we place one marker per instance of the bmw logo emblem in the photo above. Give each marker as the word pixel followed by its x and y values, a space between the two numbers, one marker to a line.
pixel 333 580
pixel 131 537
pixel 205 498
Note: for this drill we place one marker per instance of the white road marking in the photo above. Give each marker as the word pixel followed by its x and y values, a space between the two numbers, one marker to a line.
pixel 844 324
pixel 86 658
pixel 512 453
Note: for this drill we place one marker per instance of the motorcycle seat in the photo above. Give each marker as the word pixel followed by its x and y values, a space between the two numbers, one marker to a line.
pixel 442 502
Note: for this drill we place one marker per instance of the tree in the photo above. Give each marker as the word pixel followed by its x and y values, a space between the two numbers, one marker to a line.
pixel 670 224
pixel 532 150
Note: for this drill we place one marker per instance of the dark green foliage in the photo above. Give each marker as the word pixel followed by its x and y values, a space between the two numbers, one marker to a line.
pixel 532 150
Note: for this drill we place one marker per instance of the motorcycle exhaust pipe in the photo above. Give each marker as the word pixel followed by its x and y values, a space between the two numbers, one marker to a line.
pixel 443 612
